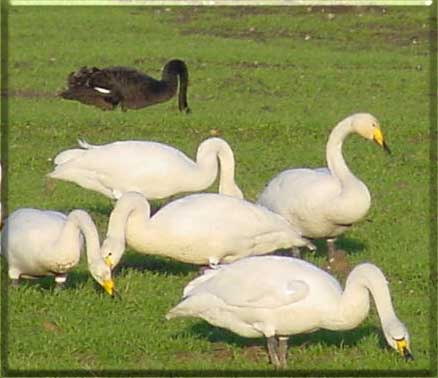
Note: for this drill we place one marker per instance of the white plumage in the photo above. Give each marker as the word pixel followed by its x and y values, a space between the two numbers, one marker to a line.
pixel 205 228
pixel 43 242
pixel 275 297
pixel 154 169
pixel 325 202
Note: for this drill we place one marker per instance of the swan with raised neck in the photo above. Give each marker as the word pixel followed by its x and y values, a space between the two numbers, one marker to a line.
pixel 325 202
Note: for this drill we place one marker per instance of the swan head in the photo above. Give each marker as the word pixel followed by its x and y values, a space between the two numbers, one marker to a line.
pixel 397 336
pixel 368 127
pixel 112 250
pixel 102 274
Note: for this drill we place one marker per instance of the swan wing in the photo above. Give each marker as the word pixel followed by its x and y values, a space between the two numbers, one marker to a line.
pixel 257 282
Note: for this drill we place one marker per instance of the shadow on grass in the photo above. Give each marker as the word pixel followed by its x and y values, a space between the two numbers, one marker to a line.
pixel 76 279
pixel 323 337
pixel 350 246
pixel 154 264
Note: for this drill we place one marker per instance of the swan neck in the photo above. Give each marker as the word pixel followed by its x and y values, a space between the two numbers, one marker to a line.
pixel 129 205
pixel 365 279
pixel 173 70
pixel 335 159
pixel 82 222
pixel 209 152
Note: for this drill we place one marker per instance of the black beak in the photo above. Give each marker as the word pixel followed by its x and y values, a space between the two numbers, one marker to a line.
pixel 386 148
pixel 407 355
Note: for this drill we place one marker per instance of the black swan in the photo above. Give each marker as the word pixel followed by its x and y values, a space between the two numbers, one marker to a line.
pixel 106 88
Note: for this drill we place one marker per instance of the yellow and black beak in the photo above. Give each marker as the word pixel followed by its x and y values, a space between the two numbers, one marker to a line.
pixel 403 349
pixel 108 285
pixel 378 138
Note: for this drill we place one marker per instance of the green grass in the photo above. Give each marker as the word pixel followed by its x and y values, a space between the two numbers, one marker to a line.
pixel 274 95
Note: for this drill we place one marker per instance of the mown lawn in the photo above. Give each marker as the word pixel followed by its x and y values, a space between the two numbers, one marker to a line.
pixel 272 81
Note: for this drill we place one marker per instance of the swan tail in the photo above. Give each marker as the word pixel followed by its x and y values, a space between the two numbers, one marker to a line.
pixel 209 273
pixel 68 155
pixel 85 145
pixel 191 306
pixel 81 89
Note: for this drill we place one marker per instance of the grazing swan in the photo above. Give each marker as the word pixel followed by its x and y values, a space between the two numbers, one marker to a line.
pixel 43 242
pixel 325 202
pixel 206 228
pixel 154 169
pixel 107 87
pixel 275 297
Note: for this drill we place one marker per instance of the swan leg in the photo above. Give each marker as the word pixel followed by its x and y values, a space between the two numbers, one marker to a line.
pixel 213 262
pixel 60 281
pixel 296 252
pixel 331 249
pixel 273 351
pixel 14 277
pixel 282 350
pixel 15 282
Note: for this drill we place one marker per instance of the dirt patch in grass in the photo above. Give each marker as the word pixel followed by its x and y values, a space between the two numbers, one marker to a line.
pixel 409 34
pixel 419 36
pixel 255 353
pixel 339 9
pixel 28 93
pixel 51 326
pixel 221 352
pixel 251 34
pixel 187 15
pixel 87 361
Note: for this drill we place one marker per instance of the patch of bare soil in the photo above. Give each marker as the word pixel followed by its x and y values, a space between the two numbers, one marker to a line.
pixel 27 93
pixel 187 16
pixel 415 37
pixel 345 9
pixel 255 353
pixel 51 326
pixel 247 34
pixel 221 352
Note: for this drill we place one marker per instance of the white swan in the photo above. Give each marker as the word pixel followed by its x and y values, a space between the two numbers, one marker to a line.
pixel 154 169
pixel 206 228
pixel 43 242
pixel 325 202
pixel 275 297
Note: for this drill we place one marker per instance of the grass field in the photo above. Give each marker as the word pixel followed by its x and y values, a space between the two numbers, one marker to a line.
pixel 272 82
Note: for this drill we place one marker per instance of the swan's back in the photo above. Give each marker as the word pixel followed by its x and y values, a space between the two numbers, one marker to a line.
pixel 262 295
pixel 314 201
pixel 296 188
pixel 136 88
pixel 217 213
pixel 265 282
pixel 207 227
pixel 31 230
pixel 108 87
pixel 154 169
